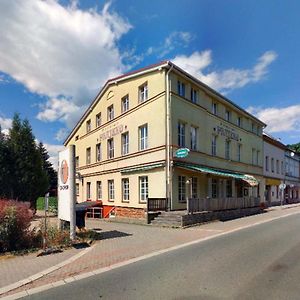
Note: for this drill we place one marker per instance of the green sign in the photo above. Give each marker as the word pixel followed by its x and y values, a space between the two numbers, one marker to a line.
pixel 182 152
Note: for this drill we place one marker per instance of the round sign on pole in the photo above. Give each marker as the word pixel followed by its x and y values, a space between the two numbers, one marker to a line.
pixel 282 186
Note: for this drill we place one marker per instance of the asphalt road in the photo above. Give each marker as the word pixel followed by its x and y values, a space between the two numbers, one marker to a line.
pixel 261 262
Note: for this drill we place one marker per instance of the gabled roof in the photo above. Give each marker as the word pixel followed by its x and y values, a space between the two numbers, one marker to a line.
pixel 163 64
pixel 272 140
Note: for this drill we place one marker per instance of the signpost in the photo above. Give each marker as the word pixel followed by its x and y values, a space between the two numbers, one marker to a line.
pixel 182 152
pixel 282 187
pixel 66 188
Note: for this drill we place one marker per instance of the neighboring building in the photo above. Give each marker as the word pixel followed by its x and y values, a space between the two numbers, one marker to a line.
pixel 126 142
pixel 292 176
pixel 274 169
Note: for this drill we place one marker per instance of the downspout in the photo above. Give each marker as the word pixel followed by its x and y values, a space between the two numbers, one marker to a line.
pixel 168 138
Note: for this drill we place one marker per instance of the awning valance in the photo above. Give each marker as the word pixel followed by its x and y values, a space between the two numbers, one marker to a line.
pixel 142 168
pixel 251 180
pixel 272 181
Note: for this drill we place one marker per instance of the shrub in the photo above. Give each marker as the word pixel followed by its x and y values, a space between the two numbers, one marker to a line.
pixel 15 218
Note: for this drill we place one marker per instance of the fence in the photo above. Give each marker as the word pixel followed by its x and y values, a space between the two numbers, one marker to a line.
pixel 218 204
pixel 157 204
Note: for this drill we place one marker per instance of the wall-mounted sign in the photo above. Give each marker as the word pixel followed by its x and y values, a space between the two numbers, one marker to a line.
pixel 112 132
pixel 228 132
pixel 182 152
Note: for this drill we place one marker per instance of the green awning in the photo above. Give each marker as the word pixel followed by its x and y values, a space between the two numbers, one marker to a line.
pixel 142 168
pixel 251 180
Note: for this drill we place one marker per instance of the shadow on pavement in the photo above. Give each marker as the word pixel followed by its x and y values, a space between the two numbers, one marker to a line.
pixel 113 234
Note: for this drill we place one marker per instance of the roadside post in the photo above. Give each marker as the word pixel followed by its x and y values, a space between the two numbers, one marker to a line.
pixel 282 187
pixel 46 208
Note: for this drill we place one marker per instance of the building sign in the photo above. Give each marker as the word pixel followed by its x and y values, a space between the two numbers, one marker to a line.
pixel 112 132
pixel 182 152
pixel 228 132
pixel 66 183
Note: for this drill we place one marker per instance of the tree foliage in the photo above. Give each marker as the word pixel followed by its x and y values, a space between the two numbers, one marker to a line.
pixel 23 167
pixel 295 147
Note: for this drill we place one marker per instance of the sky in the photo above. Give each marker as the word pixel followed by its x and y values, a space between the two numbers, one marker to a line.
pixel 56 55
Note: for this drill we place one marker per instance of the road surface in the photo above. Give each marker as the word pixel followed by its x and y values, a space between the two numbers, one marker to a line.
pixel 261 262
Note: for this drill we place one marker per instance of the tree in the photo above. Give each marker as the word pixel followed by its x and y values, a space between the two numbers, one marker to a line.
pixel 47 167
pixel 295 147
pixel 30 179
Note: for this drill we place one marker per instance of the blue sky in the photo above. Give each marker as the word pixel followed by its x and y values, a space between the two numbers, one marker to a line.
pixel 56 55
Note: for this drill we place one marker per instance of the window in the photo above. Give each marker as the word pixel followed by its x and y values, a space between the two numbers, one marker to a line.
pixel 214 145
pixel 88 126
pixel 239 122
pixel 272 165
pixel 88 191
pixel 111 190
pixel 214 188
pixel 227 115
pixel 215 108
pixel 267 163
pixel 98 152
pixel 194 187
pixel 110 113
pixel 88 155
pixel 282 169
pixel 277 166
pixel 77 189
pixel 125 143
pixel 257 157
pixel 253 129
pixel 143 92
pixel 125 103
pixel 181 188
pixel 98 120
pixel 227 149
pixel 181 88
pixel 125 189
pixel 253 156
pixel 143 137
pixel 277 191
pixel 258 130
pixel 228 188
pixel 181 134
pixel 194 95
pixel 110 148
pixel 239 149
pixel 99 190
pixel 77 161
pixel 193 138
pixel 143 188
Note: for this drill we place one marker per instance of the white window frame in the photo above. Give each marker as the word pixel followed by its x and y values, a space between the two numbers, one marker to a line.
pixel 239 121
pixel 181 189
pixel 125 103
pixel 214 108
pixel 214 145
pixel 125 189
pixel 77 161
pixel 194 95
pixel 194 187
pixel 143 92
pixel 227 149
pixel 98 152
pixel 111 190
pixel 99 190
pixel 143 137
pixel 88 126
pixel 110 113
pixel 227 115
pixel 239 150
pixel 181 134
pixel 193 136
pixel 77 189
pixel 88 155
pixel 110 148
pixel 88 190
pixel 267 163
pixel 125 143
pixel 181 88
pixel 98 120
pixel 143 188
pixel 214 188
pixel 229 188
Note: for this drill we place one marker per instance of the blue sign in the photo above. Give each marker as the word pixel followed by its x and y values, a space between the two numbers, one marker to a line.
pixel 182 152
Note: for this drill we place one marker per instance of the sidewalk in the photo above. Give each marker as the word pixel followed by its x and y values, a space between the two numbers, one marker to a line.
pixel 119 243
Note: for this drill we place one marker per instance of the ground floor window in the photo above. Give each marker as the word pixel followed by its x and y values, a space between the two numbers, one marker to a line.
pixel 111 190
pixel 181 188
pixel 228 188
pixel 77 189
pixel 125 189
pixel 99 190
pixel 143 184
pixel 214 188
pixel 194 187
pixel 88 191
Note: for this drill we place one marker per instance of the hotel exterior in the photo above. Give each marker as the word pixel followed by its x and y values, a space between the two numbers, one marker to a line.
pixel 126 144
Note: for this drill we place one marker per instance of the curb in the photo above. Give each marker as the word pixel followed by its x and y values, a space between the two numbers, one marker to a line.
pixel 36 276
pixel 134 260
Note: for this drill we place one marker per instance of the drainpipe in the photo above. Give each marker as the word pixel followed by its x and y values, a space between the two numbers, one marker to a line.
pixel 168 137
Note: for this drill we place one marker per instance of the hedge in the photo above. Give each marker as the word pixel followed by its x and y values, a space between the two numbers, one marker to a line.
pixel 41 202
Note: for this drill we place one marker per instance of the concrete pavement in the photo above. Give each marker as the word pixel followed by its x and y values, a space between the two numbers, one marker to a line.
pixel 122 242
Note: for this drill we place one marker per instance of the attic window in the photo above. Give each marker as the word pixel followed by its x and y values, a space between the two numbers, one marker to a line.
pixel 76 137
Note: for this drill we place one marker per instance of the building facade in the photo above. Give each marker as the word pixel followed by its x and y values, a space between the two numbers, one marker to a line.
pixel 127 139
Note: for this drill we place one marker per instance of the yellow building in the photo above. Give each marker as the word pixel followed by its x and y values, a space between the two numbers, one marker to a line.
pixel 127 139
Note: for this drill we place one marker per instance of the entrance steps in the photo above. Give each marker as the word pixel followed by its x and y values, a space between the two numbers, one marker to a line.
pixel 169 219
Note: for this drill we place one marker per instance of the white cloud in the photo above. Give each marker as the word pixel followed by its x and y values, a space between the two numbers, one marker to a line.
pixel 53 153
pixel 285 119
pixel 5 123
pixel 62 134
pixel 224 80
pixel 60 51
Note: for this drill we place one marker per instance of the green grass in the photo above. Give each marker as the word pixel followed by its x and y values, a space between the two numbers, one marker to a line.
pixel 52 203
